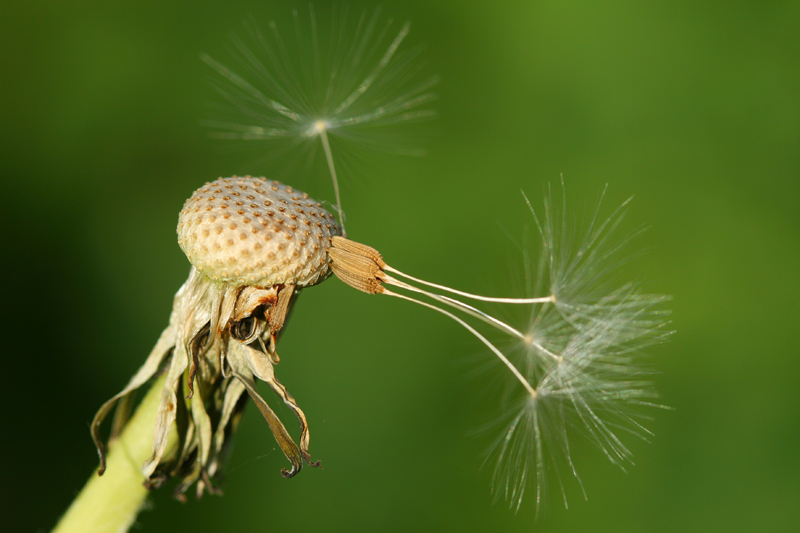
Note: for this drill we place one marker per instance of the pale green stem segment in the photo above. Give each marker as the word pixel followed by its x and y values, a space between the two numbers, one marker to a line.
pixel 111 502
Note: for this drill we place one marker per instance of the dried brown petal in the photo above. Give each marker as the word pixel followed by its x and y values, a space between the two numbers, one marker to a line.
pixel 277 315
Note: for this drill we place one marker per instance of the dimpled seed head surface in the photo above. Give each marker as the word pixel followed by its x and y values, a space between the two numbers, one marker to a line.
pixel 253 231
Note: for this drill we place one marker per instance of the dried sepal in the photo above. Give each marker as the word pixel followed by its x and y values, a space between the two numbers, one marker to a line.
pixel 252 298
pixel 263 370
pixel 231 412
pixel 167 408
pixel 278 312
pixel 242 364
pixel 150 367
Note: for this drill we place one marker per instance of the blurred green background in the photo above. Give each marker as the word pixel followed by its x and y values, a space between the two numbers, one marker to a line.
pixel 693 107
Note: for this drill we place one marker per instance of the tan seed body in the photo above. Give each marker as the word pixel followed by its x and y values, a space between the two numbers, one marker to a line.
pixel 252 231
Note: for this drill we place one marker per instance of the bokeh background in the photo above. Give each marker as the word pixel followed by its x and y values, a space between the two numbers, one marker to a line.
pixel 692 107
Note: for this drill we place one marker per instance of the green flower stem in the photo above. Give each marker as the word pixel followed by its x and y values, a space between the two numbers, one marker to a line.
pixel 111 502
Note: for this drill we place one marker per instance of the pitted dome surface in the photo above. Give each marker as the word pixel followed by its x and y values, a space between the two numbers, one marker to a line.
pixel 252 231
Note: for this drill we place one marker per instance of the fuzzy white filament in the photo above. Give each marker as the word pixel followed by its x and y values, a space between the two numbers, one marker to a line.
pixel 578 370
pixel 330 88
pixel 480 337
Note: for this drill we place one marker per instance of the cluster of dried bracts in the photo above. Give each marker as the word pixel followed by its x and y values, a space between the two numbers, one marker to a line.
pixel 254 244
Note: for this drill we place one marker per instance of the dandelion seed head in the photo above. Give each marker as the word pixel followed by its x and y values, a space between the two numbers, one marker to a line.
pixel 252 231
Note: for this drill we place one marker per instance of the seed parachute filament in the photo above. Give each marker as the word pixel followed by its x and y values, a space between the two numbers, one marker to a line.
pixel 575 361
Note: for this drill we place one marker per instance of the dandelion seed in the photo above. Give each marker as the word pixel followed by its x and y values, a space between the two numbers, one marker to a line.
pixel 347 84
pixel 578 373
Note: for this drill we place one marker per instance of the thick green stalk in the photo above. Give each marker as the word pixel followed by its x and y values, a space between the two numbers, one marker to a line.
pixel 111 502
